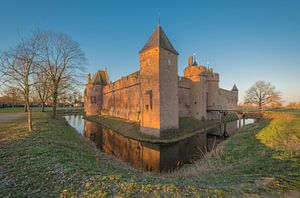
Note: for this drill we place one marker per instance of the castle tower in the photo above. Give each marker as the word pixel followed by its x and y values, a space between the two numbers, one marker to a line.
pixel 213 98
pixel 236 94
pixel 198 75
pixel 93 93
pixel 159 85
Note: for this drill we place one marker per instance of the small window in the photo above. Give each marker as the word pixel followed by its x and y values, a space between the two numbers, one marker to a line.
pixel 93 99
pixel 148 99
pixel 195 102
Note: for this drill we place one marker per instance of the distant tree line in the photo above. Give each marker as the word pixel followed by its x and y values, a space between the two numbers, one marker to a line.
pixel 12 97
pixel 44 67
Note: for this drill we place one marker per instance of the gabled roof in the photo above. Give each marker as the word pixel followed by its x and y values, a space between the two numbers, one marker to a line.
pixel 100 77
pixel 234 88
pixel 159 38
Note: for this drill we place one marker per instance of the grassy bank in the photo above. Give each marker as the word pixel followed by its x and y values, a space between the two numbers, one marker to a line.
pixel 262 159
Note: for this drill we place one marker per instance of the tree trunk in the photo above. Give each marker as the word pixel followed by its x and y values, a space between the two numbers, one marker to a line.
pixel 29 120
pixel 54 97
pixel 27 105
pixel 43 106
pixel 13 103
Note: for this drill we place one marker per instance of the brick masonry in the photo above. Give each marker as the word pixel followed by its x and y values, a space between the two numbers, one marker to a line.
pixel 156 96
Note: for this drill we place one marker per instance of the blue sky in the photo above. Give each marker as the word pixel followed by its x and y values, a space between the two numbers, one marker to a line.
pixel 244 40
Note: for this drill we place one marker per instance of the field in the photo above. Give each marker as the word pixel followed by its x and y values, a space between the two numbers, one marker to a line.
pixel 263 159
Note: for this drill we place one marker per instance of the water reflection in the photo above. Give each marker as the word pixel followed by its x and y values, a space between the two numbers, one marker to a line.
pixel 147 156
pixel 246 122
pixel 142 155
pixel 76 121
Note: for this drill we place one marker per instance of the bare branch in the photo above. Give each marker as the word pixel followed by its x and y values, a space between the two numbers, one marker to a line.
pixel 261 94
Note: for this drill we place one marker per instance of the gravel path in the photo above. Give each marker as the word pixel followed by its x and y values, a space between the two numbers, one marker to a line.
pixel 6 117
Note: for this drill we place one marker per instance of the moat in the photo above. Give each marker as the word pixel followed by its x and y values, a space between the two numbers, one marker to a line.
pixel 147 156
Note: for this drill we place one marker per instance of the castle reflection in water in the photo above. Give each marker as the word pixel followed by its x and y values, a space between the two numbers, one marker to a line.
pixel 143 155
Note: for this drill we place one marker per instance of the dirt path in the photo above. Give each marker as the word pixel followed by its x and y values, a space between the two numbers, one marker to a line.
pixel 6 117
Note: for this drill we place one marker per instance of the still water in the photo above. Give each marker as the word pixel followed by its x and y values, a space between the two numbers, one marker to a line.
pixel 76 121
pixel 141 155
pixel 247 121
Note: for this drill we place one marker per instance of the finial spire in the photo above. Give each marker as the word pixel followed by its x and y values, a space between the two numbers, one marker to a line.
pixel 158 17
pixel 207 63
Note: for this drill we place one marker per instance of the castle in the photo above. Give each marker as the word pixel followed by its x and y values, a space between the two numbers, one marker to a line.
pixel 155 96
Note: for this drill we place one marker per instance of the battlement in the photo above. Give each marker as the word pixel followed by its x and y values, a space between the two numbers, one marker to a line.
pixel 124 82
pixel 224 92
pixel 195 71
pixel 211 75
pixel 184 82
pixel 155 96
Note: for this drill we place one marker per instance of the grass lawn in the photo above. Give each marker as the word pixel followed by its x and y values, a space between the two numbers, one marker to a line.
pixel 262 159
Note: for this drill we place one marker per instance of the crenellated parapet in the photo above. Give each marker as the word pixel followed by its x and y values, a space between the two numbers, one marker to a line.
pixel 184 82
pixel 195 71
pixel 197 74
pixel 211 75
pixel 155 96
pixel 123 83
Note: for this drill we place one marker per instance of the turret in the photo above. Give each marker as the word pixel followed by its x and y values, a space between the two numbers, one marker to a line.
pixel 159 85
pixel 197 74
pixel 213 97
pixel 93 93
pixel 212 89
pixel 236 93
pixel 89 77
pixel 234 88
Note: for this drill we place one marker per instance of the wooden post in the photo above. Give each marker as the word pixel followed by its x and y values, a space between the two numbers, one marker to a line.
pixel 225 134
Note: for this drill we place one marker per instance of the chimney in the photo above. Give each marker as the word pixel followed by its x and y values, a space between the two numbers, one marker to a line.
pixel 190 60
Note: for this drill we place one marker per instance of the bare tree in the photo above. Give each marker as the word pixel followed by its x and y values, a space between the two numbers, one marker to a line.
pixel 62 60
pixel 262 93
pixel 42 87
pixel 11 96
pixel 18 65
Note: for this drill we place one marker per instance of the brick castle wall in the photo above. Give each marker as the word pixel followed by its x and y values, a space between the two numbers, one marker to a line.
pixel 122 98
pixel 184 91
pixel 228 98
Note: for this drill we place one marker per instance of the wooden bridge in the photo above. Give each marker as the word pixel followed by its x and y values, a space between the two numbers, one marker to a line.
pixel 241 115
